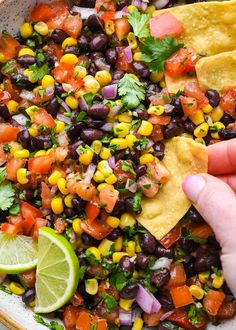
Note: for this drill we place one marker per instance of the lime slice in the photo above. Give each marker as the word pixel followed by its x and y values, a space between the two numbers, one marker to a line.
pixel 17 253
pixel 57 273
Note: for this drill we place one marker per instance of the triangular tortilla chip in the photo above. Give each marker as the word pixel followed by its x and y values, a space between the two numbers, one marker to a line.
pixel 183 156
pixel 218 71
pixel 175 84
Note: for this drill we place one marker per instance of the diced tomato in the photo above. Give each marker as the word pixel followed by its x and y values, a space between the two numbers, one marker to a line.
pixel 8 46
pixel 38 224
pixel 29 278
pixel 76 83
pixel 73 25
pixel 14 91
pixel 212 302
pixel 159 120
pixel 171 237
pixel 13 166
pixel 92 208
pixel 148 187
pixel 60 225
pixel 42 117
pixel 108 16
pixel 61 153
pixel 46 196
pixel 86 321
pixel 62 72
pixel 153 319
pixel 182 61
pixel 161 98
pixel 180 317
pixel 70 316
pixel 227 310
pixel 28 224
pixel 202 231
pixel 41 164
pixel 189 105
pixel 122 28
pixel 157 132
pixel 10 229
pixel 165 25
pixel 17 222
pixel 4 96
pixel 181 296
pixel 29 214
pixel 108 196
pixel 122 63
pixel 108 5
pixel 77 299
pixel 41 98
pixel 177 276
pixel 57 21
pixel 98 229
pixel 228 102
pixel 86 191
pixel 124 170
pixel 44 12
pixel 8 133
pixel 158 172
pixel 192 89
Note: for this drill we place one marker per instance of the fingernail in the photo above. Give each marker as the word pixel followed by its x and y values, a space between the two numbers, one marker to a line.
pixel 192 186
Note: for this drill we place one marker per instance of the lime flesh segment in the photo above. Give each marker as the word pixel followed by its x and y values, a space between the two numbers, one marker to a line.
pixel 57 272
pixel 18 253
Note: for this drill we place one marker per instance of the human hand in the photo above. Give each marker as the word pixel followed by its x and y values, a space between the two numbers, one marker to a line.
pixel 214 198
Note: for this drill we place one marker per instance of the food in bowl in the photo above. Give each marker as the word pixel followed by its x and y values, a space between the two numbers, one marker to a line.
pixel 94 146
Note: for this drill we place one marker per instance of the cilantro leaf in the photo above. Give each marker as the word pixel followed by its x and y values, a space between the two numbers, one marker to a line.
pixel 53 325
pixel 38 72
pixel 3 174
pixel 139 23
pixel 7 194
pixel 137 201
pixel 119 280
pixel 197 239
pixel 127 167
pixel 109 302
pixel 157 51
pixel 141 144
pixel 193 314
pixel 131 90
pixel 5 289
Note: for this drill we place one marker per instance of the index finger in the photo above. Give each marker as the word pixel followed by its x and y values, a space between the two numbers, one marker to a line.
pixel 222 157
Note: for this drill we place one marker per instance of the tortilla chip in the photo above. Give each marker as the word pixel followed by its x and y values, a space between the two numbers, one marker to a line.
pixel 175 84
pixel 209 27
pixel 218 71
pixel 183 156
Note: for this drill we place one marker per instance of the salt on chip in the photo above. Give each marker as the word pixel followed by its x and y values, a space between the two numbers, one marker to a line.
pixel 209 27
pixel 183 156
pixel 218 71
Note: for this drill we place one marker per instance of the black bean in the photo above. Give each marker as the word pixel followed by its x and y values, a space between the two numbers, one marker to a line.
pixel 188 126
pixel 142 114
pixel 148 243
pixel 58 36
pixel 117 232
pixel 2 120
pixel 98 111
pixel 119 207
pixel 59 89
pixel 125 327
pixel 111 56
pixel 95 23
pixel 123 3
pixel 141 170
pixel 53 107
pixel 72 153
pixel 227 119
pixel 152 90
pixel 177 111
pixel 189 267
pixel 29 196
pixel 91 123
pixel 188 245
pixel 194 216
pixel 159 150
pixel 75 130
pixel 97 271
pixel 69 212
pixel 213 97
pixel 174 128
pixel 26 60
pixel 90 134
pixel 160 277
pixel 130 291
pixel 141 69
pixel 98 42
pixel 141 261
pixel 71 50
pixel 41 142
pixel 28 296
pixel 88 240
pixel 1 77
pixel 133 155
pixel 161 252
pixel 129 201
pixel 117 75
pixel 4 112
pixel 126 265
pixel 212 243
pixel 207 261
pixel 165 302
pixel 24 138
pixel 83 42
pixel 119 155
pixel 22 81
pixel 87 3
pixel 101 64
pixel 227 133
pixel 78 204
pixel 92 70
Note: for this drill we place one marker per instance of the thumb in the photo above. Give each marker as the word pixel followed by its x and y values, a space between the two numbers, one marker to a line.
pixel 216 202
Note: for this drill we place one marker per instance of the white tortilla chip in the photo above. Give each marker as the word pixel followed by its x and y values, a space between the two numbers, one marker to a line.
pixel 183 156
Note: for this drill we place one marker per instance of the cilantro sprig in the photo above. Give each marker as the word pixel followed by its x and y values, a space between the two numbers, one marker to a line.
pixel 53 325
pixel 7 196
pixel 156 51
pixel 139 23
pixel 38 72
pixel 131 91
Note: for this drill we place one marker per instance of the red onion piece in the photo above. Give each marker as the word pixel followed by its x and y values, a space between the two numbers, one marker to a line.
pixel 63 118
pixel 84 12
pixel 83 104
pixel 150 143
pixel 110 92
pixel 159 4
pixel 128 54
pixel 168 108
pixel 125 317
pixel 87 176
pixel 131 186
pixel 147 301
pixel 62 139
pixel 107 127
pixel 118 14
pixel 50 90
pixel 112 162
pixel 167 314
pixel 54 189
pixel 67 87
pixel 65 106
pixel 20 119
pixel 162 263
pixel 27 95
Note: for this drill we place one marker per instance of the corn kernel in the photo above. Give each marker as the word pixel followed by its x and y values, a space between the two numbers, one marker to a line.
pixel 86 158
pixel 201 130
pixel 217 126
pixel 113 221
pixel 132 40
pixel 26 30
pixel 146 128
pixel 14 146
pixel 2 58
pixel 109 27
pixel 98 177
pixel 197 118
pixel 57 205
pixel 31 110
pixel 131 138
pixel 116 256
pixel 126 304
pixel 125 117
pixel 26 51
pixel 47 81
pixel 49 151
pixel 200 140
pixel 196 291
pixel 118 244
pixel 111 179
pixel 91 286
pixel 137 247
pixel 69 59
pixel 207 108
pixel 103 77
pixel 32 304
pixel 104 168
pixel 92 85
pixel 146 158
pixel 61 184
pixel 76 225
pixel 162 83
pixel 2 86
pixel 135 275
pixel 138 324
pixel 156 110
pixel 105 246
pixel 96 146
pixel 150 9
pixel 16 288
pixel 54 177
pixel 12 107
pixel 68 200
pixel 218 281
pixel 156 76
pixel 131 7
pixel 95 251
pixel 80 72
pixel 216 114
pixel 24 153
pixel 60 125
pixel 69 42
pixel 119 143
pixel 203 277
pixel 137 56
pixel 72 102
pixel 130 248
pixel 41 28
pixel 121 130
pixel 103 185
pixel 186 135
pixel 21 175
pixel 33 131
pixel 105 153
pixel 127 220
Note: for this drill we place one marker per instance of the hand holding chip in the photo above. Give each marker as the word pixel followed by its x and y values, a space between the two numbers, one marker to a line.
pixel 214 197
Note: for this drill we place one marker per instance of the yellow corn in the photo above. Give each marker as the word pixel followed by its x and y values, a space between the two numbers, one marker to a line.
pixel 61 184
pixel 91 286
pixel 156 110
pixel 126 304
pixel 125 118
pixel 118 244
pixel 76 225
pixel 135 274
pixel 79 93
pixel 196 291
pixel 68 200
pixel 54 177
pixel 216 114
pixel 91 85
pixel 16 288
pixel 103 185
pixel 103 77
pixel 69 59
pixel 121 130
pixel 162 83
pixel 26 51
pixel 31 110
pixel 47 81
pixel 138 324
pixel 40 153
pixel 32 304
pixel 2 58
pixel 130 248
pixel 201 130
pixel 131 7
pixel 116 256
pixel 207 108
pixel 109 27
pixel 197 118
pixel 132 40
pixel 21 175
pixel 156 76
pixel 14 146
pixel 86 158
pixel 137 247
pixel 105 246
pixel 146 128
pixel 218 281
pixel 200 140
pixel 26 30
pixel 119 143
pixel 33 131
pixel 137 56
pixel 72 102
pixel 80 72
pixel 104 168
pixel 111 179
pixel 146 158
pixel 98 177
pixel 24 153
pixel 57 205
pixel 217 126
pixel 41 28
pixel 127 220
pixel 113 221
pixel 105 153
pixel 69 42
pixel 189 136
pixel 96 146
pixel 96 252
pixel 203 277
pixel 131 138
pixel 60 125
pixel 12 107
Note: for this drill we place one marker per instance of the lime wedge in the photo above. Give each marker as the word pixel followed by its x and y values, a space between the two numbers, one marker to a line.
pixel 17 253
pixel 57 272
